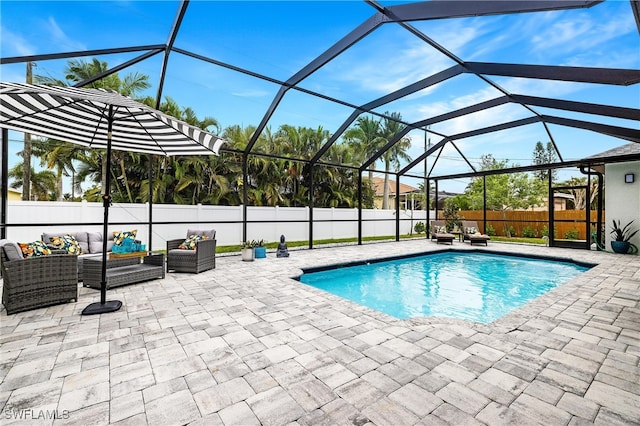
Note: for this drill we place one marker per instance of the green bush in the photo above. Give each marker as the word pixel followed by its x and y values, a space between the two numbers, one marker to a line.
pixel 545 231
pixel 491 231
pixel 419 227
pixel 451 214
pixel 529 232
pixel 571 234
pixel 510 231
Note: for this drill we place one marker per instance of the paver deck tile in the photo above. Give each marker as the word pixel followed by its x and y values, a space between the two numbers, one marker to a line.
pixel 388 412
pixel 207 349
pixel 126 406
pixel 176 408
pixel 620 401
pixel 543 412
pixel 359 393
pixel 275 407
pixel 312 394
pixel 238 414
pixel 416 399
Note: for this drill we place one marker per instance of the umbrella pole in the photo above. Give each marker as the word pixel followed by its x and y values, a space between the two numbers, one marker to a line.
pixel 105 306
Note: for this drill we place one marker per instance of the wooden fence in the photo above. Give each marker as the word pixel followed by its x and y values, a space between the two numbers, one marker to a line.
pixel 568 224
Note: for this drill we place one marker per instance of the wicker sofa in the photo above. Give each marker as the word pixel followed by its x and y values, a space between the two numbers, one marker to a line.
pixel 38 281
pixel 90 242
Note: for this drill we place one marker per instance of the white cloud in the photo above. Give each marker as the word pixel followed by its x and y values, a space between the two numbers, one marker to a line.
pixel 549 88
pixel 580 33
pixel 251 93
pixel 381 66
pixel 60 38
pixel 466 122
pixel 14 45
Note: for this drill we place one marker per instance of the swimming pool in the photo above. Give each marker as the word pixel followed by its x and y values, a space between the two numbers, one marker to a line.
pixel 479 287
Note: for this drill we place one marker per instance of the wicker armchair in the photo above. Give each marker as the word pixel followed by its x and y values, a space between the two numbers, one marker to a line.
pixel 38 282
pixel 194 261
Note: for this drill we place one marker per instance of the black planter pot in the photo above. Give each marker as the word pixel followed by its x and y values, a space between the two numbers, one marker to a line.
pixel 620 246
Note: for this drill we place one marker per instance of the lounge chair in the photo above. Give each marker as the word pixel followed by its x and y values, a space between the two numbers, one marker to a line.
pixel 198 257
pixel 439 232
pixel 471 233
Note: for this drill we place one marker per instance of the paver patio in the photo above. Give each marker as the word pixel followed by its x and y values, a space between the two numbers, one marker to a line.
pixel 245 344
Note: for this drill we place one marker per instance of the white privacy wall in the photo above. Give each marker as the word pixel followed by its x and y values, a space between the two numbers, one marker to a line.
pixel 292 222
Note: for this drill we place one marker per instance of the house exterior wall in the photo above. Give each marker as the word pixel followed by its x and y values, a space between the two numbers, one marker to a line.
pixel 622 200
pixel 13 195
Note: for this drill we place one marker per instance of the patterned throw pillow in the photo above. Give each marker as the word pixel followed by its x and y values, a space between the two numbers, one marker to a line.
pixel 471 230
pixel 118 237
pixel 34 249
pixel 191 243
pixel 441 229
pixel 67 243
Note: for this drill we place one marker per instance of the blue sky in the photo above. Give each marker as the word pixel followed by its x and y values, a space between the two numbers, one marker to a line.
pixel 277 39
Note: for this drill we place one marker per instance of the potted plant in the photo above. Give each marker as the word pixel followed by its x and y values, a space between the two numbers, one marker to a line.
pixel 621 236
pixel 260 250
pixel 246 250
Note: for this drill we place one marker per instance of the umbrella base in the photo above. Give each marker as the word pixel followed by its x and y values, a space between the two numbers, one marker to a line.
pixel 102 308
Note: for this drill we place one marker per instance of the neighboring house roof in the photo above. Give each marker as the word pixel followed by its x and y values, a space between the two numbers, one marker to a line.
pixel 442 195
pixel 378 185
pixel 628 152
pixel 562 195
pixel 632 148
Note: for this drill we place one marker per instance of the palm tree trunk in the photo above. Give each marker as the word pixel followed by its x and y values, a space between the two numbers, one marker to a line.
pixel 26 152
pixel 60 196
pixel 385 194
pixel 126 181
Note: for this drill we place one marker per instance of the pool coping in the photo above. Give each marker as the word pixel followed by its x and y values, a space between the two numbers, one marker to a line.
pixel 511 320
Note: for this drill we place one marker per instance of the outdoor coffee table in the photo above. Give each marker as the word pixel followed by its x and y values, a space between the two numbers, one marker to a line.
pixel 124 270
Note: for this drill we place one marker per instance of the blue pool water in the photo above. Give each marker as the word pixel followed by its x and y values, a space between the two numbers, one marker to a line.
pixel 478 287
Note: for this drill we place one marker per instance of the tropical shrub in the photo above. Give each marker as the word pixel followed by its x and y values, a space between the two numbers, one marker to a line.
pixel 451 215
pixel 510 231
pixel 529 232
pixel 571 234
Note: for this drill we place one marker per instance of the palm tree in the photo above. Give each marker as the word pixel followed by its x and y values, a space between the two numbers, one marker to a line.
pixel 26 151
pixel 56 155
pixel 299 142
pixel 43 183
pixel 366 139
pixel 398 152
pixel 78 70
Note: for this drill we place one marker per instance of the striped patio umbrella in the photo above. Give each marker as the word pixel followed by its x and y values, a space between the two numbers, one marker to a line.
pixel 100 119
pixel 83 116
